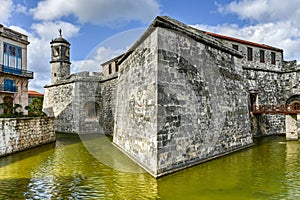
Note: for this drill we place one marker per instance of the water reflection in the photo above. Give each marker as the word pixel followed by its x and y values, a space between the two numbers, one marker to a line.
pixel 67 170
pixel 292 166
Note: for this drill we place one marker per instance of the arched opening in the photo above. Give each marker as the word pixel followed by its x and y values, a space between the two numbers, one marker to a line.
pixel 7 105
pixel 91 110
pixel 292 120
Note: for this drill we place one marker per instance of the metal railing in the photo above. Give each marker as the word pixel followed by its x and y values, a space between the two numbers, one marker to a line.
pixel 8 88
pixel 15 71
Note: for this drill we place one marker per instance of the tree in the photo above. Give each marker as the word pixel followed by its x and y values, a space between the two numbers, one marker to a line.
pixel 35 108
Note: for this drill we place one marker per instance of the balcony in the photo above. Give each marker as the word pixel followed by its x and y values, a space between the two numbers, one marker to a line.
pixel 17 72
pixel 8 88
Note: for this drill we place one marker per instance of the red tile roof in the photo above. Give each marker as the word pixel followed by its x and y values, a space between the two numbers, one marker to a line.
pixel 244 42
pixel 34 93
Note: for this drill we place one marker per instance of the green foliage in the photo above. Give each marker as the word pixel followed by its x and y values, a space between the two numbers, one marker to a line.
pixel 7 107
pixel 35 108
pixel 11 111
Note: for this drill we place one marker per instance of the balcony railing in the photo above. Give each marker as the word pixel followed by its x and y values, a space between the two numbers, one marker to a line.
pixel 8 88
pixel 15 71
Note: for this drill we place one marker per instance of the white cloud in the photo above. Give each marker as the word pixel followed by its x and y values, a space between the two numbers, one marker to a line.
pixel 39 48
pixel 97 11
pixel 280 34
pixel 20 9
pixel 263 10
pixel 6 8
pixel 273 22
pixel 49 29
pixel 94 60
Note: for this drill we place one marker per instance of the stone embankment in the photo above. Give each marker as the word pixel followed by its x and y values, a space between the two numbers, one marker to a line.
pixel 18 134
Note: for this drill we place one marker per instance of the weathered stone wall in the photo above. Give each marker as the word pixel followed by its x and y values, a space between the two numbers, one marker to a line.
pixel 269 82
pixel 202 102
pixel 270 91
pixel 135 128
pixel 273 88
pixel 290 84
pixel 107 101
pixel 179 102
pixel 18 134
pixel 58 103
pixel 83 104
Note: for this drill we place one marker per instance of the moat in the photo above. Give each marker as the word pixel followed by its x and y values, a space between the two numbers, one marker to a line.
pixel 67 170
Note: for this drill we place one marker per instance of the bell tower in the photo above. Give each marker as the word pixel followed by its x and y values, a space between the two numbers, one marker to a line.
pixel 60 58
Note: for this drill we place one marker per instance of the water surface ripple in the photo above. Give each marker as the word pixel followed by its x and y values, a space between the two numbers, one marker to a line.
pixel 66 170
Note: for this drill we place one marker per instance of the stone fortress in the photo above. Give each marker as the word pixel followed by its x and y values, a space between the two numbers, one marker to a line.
pixel 178 97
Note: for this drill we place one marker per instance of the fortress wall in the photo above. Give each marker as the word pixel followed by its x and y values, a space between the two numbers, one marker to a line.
pixel 270 91
pixel 180 103
pixel 202 103
pixel 135 130
pixel 58 103
pixel 107 101
pixel 273 88
pixel 18 134
pixel 85 105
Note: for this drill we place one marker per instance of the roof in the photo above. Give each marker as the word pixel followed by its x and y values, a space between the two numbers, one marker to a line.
pixel 172 24
pixel 244 41
pixel 60 39
pixel 34 93
pixel 115 59
pixel 13 35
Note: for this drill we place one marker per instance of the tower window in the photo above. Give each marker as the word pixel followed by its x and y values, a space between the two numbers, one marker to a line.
pixel 109 69
pixel 262 56
pixel 273 60
pixel 236 47
pixel 55 51
pixel 250 54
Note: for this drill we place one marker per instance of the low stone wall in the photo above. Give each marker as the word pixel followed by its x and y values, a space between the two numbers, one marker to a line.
pixel 18 134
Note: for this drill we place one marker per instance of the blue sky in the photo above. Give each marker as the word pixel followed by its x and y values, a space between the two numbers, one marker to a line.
pixel 100 29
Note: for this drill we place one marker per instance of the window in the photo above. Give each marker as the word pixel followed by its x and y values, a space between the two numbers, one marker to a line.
pixel 12 56
pixel 262 56
pixel 9 85
pixel 117 68
pixel 273 58
pixel 250 54
pixel 109 69
pixel 236 47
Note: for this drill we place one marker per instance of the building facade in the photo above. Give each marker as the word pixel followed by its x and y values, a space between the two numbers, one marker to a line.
pixel 273 87
pixel 13 69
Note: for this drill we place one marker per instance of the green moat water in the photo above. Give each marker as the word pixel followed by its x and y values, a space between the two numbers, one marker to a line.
pixel 66 170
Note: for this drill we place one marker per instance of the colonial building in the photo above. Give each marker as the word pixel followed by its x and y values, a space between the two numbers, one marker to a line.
pixel 34 94
pixel 13 69
pixel 179 96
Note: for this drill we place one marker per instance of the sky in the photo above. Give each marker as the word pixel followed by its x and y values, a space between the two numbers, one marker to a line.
pixel 101 29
